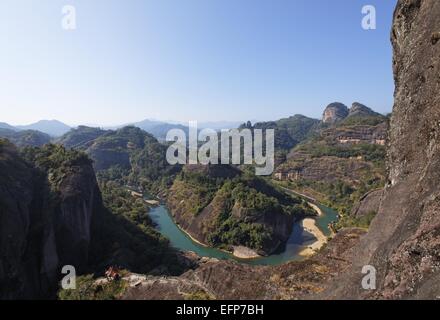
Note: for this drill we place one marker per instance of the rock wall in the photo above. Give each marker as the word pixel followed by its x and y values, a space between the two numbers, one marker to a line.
pixel 403 243
pixel 42 229
pixel 335 112
pixel 369 203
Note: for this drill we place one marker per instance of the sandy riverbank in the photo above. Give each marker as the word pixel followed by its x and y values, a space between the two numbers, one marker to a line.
pixel 316 208
pixel 239 251
pixel 245 253
pixel 309 225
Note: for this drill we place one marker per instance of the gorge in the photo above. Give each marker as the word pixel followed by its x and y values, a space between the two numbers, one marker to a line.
pixel 66 202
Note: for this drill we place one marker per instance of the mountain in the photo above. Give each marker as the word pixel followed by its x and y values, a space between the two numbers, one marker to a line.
pixel 338 112
pixel 25 138
pixel 340 161
pixel 158 129
pixel 335 112
pixel 53 128
pixel 359 110
pixel 132 156
pixel 53 213
pixel 224 207
pixel 288 132
pixel 80 137
pixel 4 125
pixel 219 125
pixel 47 199
pixel 402 243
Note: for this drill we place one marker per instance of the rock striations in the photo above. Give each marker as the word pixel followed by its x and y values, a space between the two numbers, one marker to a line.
pixel 403 243
pixel 45 218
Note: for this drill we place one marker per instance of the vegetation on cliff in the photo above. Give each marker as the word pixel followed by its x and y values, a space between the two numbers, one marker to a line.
pixel 222 206
pixel 124 235
pixel 129 156
pixel 25 138
pixel 340 162
pixel 81 137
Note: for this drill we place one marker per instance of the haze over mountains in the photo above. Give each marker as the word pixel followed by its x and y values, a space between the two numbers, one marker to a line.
pixel 89 199
pixel 55 128
pixel 159 129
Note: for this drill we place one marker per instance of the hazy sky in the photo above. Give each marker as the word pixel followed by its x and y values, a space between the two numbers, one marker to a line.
pixel 190 59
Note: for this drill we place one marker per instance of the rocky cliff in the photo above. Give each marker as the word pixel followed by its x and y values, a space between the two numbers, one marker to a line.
pixel 47 199
pixel 214 279
pixel 335 112
pixel 340 162
pixel 403 243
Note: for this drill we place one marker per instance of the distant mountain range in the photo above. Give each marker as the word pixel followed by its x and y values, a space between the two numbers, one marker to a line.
pixel 53 128
pixel 56 129
pixel 4 125
pixel 159 129
pixel 24 138
pixel 290 130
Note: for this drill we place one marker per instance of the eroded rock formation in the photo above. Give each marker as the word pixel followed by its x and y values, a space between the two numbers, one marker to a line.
pixel 44 223
pixel 335 112
pixel 403 242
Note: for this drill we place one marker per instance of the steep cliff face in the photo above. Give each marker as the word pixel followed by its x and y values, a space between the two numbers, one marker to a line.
pixel 335 112
pixel 340 162
pixel 368 204
pixel 45 217
pixel 403 243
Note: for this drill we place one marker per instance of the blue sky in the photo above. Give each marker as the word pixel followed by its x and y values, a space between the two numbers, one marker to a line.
pixel 190 59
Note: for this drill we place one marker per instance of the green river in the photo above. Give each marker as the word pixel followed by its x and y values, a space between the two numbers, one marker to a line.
pixel 299 239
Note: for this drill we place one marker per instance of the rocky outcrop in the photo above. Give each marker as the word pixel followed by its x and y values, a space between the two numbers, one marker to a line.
pixel 357 134
pixel 359 110
pixel 43 225
pixel 403 242
pixel 368 204
pixel 335 112
pixel 329 169
pixel 230 280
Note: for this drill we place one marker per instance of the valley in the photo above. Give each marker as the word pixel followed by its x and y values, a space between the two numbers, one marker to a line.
pixel 327 197
pixel 209 211
pixel 209 214
pixel 355 188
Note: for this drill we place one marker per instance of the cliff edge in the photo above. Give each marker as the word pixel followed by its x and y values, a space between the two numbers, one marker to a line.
pixel 403 242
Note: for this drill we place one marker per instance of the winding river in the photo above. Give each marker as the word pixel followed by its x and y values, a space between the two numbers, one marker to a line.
pixel 299 239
